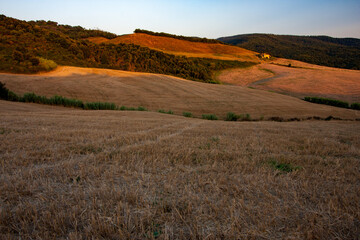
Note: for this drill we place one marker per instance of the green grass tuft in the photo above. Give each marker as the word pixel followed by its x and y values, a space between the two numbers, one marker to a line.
pixel 187 114
pixel 209 117
pixel 283 167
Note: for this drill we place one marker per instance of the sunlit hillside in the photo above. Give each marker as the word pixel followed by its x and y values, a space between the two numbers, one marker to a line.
pixel 183 47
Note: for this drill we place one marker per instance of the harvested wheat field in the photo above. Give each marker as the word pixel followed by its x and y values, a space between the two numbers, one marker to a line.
pixel 183 47
pixel 155 92
pixel 75 174
pixel 300 80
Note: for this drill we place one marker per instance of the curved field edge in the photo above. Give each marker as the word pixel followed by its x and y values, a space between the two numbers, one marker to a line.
pixel 156 92
pixel 299 80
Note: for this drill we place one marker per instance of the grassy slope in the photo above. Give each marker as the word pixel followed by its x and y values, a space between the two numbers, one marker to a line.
pixel 321 50
pixel 182 47
pixel 164 92
pixel 74 174
pixel 300 80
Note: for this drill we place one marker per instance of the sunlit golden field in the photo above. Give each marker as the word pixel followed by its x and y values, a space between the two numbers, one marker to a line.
pixel 75 174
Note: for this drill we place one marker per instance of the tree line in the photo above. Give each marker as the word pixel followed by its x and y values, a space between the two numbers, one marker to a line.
pixel 191 39
pixel 29 47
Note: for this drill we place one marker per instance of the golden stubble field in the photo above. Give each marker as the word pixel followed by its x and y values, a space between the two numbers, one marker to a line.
pixel 155 92
pixel 300 80
pixel 74 174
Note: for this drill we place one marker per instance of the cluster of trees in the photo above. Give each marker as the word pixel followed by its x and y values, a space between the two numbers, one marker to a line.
pixel 28 47
pixel 320 50
pixel 76 32
pixel 191 39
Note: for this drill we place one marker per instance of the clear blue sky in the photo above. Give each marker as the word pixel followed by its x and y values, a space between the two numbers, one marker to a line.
pixel 203 18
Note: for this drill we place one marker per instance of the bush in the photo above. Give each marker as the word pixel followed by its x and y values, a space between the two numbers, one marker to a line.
pixel 4 92
pixel 187 114
pixel 245 117
pixel 230 116
pixel 141 108
pixel 355 106
pixel 210 116
pixel 327 101
pixel 47 65
pixel 167 112
pixel 100 106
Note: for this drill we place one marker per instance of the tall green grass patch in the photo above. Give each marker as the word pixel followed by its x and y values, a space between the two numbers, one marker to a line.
pixel 209 117
pixel 230 116
pixel 187 114
pixel 100 106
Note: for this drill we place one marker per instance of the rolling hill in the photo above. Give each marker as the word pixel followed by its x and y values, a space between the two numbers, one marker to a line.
pixel 299 80
pixel 28 47
pixel 155 92
pixel 182 47
pixel 321 50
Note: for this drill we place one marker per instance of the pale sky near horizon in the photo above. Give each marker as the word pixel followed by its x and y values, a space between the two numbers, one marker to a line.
pixel 202 18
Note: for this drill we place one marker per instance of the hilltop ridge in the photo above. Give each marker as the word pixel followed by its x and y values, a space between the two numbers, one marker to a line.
pixel 320 50
pixel 182 46
pixel 33 46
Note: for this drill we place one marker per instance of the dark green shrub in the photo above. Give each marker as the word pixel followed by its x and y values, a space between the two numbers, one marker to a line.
pixel 30 97
pixel 167 112
pixel 230 116
pixel 99 106
pixel 187 114
pixel 355 106
pixel 327 101
pixel 13 97
pixel 4 92
pixel 245 117
pixel 141 108
pixel 209 117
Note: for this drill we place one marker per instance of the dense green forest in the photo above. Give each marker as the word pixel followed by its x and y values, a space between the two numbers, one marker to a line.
pixel 29 47
pixel 191 39
pixel 321 50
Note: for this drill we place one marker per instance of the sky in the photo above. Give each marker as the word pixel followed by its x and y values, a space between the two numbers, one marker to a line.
pixel 202 18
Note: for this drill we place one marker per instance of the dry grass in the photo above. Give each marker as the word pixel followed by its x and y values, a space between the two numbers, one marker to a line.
pixel 155 91
pixel 301 80
pixel 71 174
pixel 182 47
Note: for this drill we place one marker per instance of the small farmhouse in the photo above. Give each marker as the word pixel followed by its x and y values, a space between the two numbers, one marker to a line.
pixel 265 56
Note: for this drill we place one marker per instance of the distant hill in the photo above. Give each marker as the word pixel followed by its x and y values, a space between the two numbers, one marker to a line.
pixel 29 47
pixel 182 46
pixel 321 50
pixel 191 39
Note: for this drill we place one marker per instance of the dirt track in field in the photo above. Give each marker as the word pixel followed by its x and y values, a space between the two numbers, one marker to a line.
pixel 155 92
